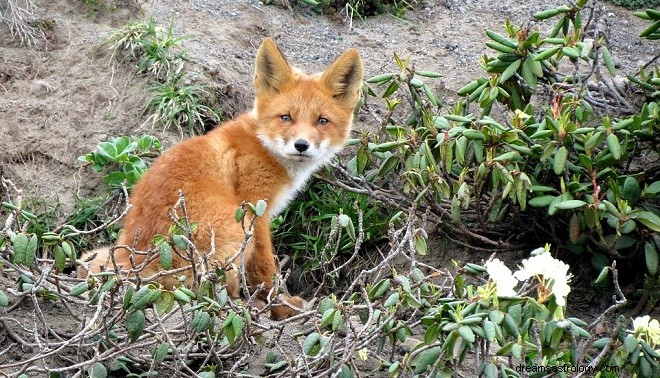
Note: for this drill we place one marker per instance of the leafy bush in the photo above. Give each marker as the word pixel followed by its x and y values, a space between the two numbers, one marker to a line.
pixel 158 54
pixel 569 171
pixel 318 230
pixel 180 107
pixel 481 310
pixel 154 49
pixel 124 156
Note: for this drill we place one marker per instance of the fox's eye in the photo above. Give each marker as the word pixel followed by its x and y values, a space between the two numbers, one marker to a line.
pixel 321 121
pixel 286 118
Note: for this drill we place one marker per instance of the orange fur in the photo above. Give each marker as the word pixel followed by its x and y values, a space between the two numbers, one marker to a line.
pixel 255 156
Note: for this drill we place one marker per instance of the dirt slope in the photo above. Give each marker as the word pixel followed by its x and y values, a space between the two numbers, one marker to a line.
pixel 58 102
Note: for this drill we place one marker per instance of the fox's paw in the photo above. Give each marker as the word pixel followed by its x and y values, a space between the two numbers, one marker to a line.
pixel 282 311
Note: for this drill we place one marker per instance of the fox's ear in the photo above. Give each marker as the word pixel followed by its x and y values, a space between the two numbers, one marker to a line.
pixel 272 71
pixel 344 77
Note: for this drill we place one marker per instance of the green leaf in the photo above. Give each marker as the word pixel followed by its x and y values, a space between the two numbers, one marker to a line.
pixel 237 324
pixel 310 342
pixel 275 366
pixel 160 352
pixel 391 89
pixel 239 214
pixel 541 201
pixel 427 358
pixel 135 322
pixel 79 289
pixel 630 343
pixel 392 300
pixel 180 242
pixel 469 88
pixel 97 371
pixel 509 71
pixel 180 296
pixel 164 303
pixel 260 208
pixel 388 165
pixel 490 330
pixel 380 78
pixel 560 160
pixel 379 289
pixel 527 72
pixel 547 53
pixel 603 275
pixel 362 159
pixel 327 317
pixel 614 145
pixel 201 321
pixel 653 188
pixel 490 371
pixel 549 13
pixel 609 62
pixel 501 39
pixel 651 257
pixel 165 255
pixel 60 258
pixel 496 316
pixel 31 250
pixel 511 155
pixel 69 250
pixel 4 301
pixel 466 333
pixel 430 74
pixel 20 244
pixel 420 244
pixel 570 204
pixel 647 218
pixel 337 321
pixel 631 190
pixel 107 150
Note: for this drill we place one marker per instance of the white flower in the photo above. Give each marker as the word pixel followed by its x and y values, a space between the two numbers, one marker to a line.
pixel 560 289
pixel 641 323
pixel 647 329
pixel 504 280
pixel 654 332
pixel 552 274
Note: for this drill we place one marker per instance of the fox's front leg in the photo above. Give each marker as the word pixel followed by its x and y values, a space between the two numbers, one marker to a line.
pixel 262 268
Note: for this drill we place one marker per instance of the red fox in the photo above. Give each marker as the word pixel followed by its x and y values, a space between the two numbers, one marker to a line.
pixel 298 123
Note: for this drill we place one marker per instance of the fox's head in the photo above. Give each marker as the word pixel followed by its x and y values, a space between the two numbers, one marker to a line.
pixel 302 119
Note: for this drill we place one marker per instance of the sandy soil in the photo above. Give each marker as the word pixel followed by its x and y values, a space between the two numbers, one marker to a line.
pixel 58 101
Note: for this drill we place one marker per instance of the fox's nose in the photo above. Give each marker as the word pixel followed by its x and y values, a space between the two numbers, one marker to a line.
pixel 301 145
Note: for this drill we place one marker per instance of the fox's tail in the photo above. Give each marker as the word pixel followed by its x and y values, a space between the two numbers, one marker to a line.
pixel 91 260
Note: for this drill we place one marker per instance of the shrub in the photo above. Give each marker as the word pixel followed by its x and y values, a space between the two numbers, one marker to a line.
pixel 154 49
pixel 318 230
pixel 180 107
pixel 124 157
pixel 569 171
pixel 157 53
pixel 23 23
